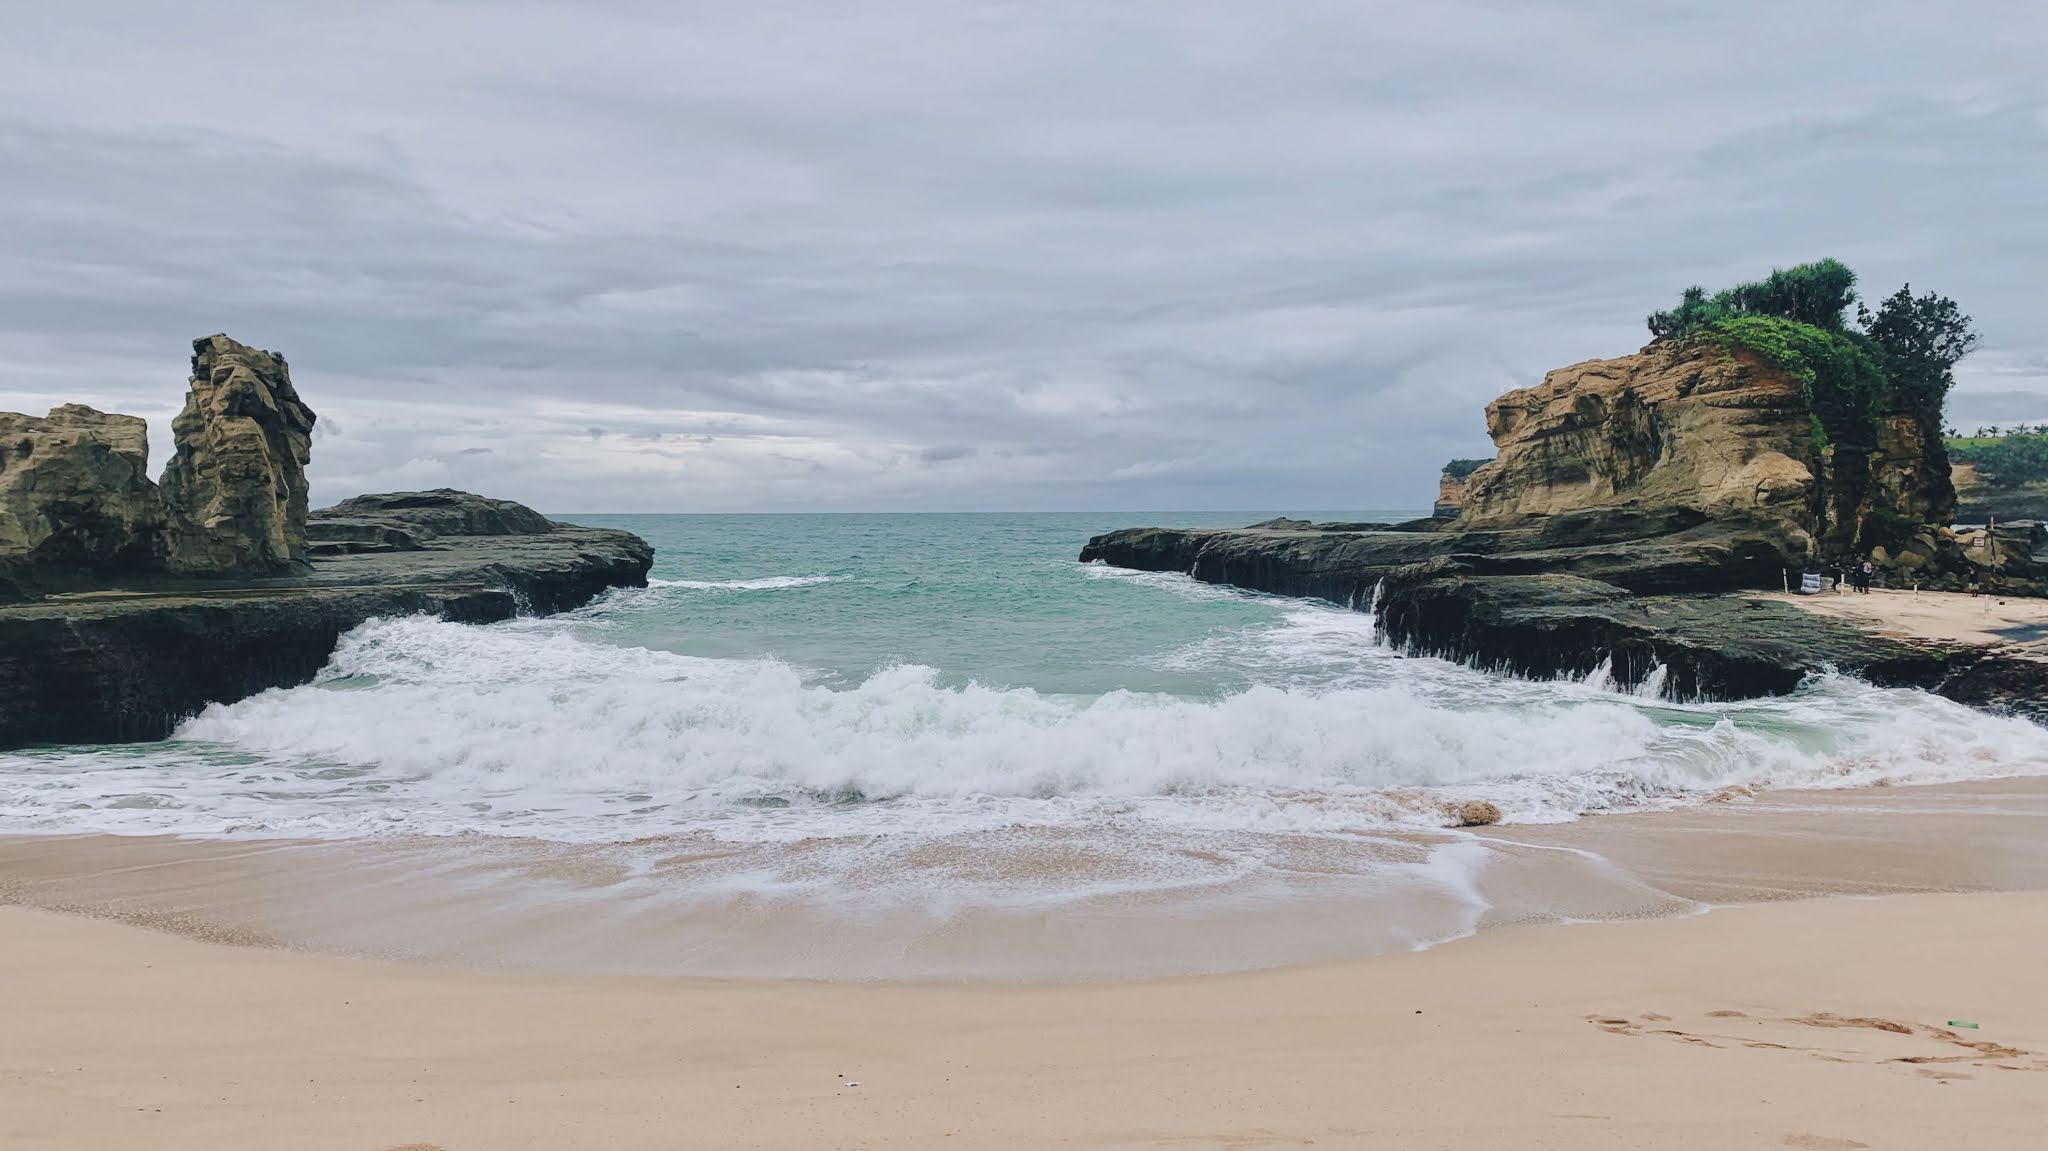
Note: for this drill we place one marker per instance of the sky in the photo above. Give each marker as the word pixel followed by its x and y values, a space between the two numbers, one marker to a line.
pixel 947 255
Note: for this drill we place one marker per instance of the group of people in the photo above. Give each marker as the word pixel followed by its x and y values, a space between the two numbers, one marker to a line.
pixel 1859 574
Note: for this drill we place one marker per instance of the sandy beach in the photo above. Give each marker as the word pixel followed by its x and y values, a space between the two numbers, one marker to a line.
pixel 1818 1025
pixel 184 994
pixel 2018 625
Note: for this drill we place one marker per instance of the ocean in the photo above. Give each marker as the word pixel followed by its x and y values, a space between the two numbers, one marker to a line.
pixel 934 716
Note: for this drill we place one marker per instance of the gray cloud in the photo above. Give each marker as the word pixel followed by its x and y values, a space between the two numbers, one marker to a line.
pixel 1001 255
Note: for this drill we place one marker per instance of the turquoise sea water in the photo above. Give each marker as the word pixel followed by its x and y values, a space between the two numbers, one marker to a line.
pixel 996 600
pixel 856 691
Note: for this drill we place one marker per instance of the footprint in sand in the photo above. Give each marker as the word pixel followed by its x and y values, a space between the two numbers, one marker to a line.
pixel 1928 1051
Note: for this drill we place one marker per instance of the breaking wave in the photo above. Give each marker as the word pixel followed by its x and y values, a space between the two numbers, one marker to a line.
pixel 530 729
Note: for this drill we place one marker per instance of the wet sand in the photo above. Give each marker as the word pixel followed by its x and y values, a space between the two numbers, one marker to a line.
pixel 661 907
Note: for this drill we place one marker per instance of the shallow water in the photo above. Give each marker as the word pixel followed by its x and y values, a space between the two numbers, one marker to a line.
pixel 934 716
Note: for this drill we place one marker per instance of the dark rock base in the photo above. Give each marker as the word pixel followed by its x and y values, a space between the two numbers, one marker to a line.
pixel 1561 600
pixel 131 663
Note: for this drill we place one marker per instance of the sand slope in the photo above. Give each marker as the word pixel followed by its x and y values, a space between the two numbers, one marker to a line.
pixel 1807 1025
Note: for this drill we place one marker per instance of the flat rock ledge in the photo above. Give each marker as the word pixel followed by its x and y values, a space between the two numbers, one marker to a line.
pixel 1567 595
pixel 131 661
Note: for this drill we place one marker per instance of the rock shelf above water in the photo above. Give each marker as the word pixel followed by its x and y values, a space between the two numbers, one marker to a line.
pixel 131 660
pixel 127 605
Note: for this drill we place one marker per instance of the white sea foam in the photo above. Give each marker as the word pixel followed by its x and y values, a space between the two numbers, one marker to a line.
pixel 424 727
pixel 1178 584
pixel 764 583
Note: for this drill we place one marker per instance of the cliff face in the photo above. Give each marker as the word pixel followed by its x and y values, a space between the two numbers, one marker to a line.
pixel 1673 425
pixel 1719 431
pixel 1450 496
pixel 237 488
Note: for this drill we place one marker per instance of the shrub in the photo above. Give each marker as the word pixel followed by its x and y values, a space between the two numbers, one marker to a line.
pixel 1818 294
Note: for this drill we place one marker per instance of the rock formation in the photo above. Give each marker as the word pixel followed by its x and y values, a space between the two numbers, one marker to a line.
pixel 236 489
pixel 1450 488
pixel 1718 430
pixel 191 627
pixel 77 506
pixel 76 503
pixel 406 521
pixel 1633 507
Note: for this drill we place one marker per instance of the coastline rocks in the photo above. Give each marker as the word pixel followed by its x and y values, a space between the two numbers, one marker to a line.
pixel 127 606
pixel 76 503
pixel 236 487
pixel 133 663
pixel 421 516
pixel 1637 594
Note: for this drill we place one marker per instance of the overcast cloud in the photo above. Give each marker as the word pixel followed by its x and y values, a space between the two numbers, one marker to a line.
pixel 909 254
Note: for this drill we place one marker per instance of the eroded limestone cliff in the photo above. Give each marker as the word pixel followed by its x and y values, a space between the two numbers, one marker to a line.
pixel 1713 428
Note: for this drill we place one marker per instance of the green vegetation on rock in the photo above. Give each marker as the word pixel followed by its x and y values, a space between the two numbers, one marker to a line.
pixel 1898 358
pixel 1817 294
pixel 1459 469
pixel 2004 461
pixel 1837 373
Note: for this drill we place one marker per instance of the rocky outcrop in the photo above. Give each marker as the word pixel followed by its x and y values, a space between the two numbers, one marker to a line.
pixel 76 504
pixel 1711 428
pixel 131 663
pixel 126 606
pixel 1568 594
pixel 236 487
pixel 1632 503
pixel 1677 425
pixel 406 521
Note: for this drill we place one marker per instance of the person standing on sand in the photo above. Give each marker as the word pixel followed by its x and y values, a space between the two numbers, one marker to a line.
pixel 1863 575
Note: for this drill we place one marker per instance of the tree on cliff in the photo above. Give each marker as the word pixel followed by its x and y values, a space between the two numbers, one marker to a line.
pixel 1818 293
pixel 1901 356
pixel 1919 340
